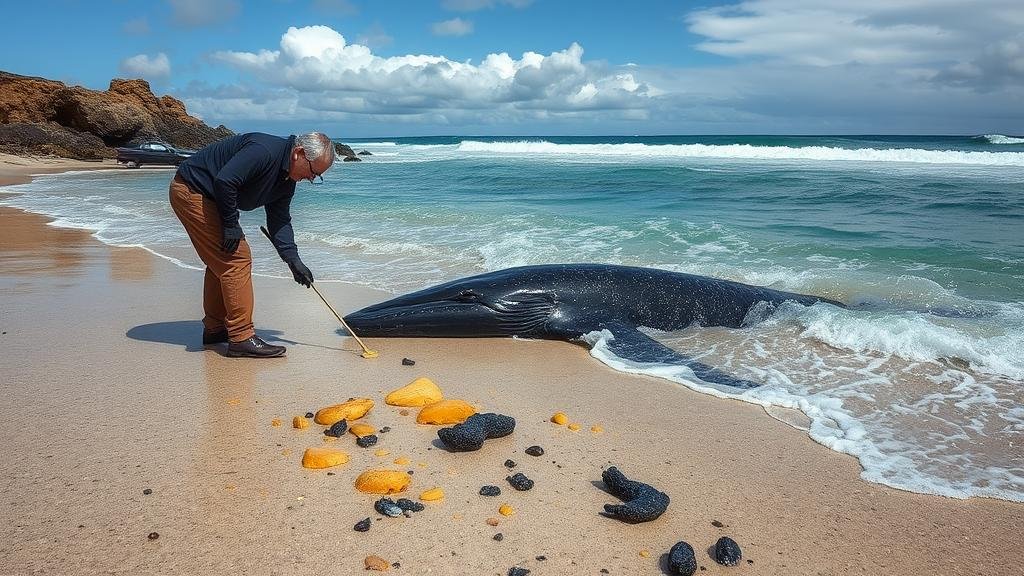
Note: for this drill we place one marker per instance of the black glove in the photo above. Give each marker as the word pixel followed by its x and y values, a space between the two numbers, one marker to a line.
pixel 300 273
pixel 231 235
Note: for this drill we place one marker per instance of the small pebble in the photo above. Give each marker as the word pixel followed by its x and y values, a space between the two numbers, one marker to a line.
pixel 387 507
pixel 727 552
pixel 681 560
pixel 717 524
pixel 499 537
pixel 377 563
pixel 362 525
pixel 645 553
pixel 541 558
pixel 605 571
pixel 385 430
pixel 517 571
pixel 338 429
pixel 366 441
pixel 147 491
pixel 520 482
pixel 406 504
pixel 408 362
pixel 535 451
pixel 490 491
pixel 403 412
pixel 749 561
pixel 510 464
pixel 396 565
pixel 492 521
pixel 309 414
pixel 153 536
pixel 330 473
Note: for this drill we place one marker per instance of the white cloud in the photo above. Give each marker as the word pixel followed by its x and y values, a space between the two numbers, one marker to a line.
pixel 143 66
pixel 191 13
pixel 453 27
pixel 324 73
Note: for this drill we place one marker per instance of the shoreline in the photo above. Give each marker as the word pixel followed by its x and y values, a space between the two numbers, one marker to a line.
pixel 227 484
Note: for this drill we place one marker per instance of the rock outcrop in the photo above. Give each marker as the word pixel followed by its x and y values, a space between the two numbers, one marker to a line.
pixel 40 116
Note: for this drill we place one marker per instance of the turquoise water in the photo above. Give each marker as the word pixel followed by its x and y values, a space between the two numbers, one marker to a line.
pixel 924 236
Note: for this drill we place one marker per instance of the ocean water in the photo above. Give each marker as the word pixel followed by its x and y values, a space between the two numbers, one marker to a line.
pixel 922 379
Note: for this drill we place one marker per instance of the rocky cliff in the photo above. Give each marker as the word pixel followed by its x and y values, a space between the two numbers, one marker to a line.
pixel 40 116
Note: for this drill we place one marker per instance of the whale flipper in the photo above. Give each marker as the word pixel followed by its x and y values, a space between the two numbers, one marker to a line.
pixel 631 344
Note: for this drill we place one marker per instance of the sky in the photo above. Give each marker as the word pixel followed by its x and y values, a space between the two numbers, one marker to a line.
pixel 355 68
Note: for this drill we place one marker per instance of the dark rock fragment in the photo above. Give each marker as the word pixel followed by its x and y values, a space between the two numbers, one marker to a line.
pixel 364 153
pixel 642 502
pixel 727 552
pixel 362 526
pixel 470 435
pixel 153 535
pixel 510 464
pixel 681 560
pixel 387 507
pixel 366 441
pixel 338 429
pixel 309 414
pixel 535 451
pixel 408 362
pixel 717 524
pixel 490 491
pixel 541 558
pixel 385 430
pixel 520 482
pixel 406 504
pixel 499 537
pixel 517 571
pixel 147 491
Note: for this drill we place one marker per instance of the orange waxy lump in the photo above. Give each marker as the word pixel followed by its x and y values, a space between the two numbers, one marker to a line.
pixel 432 494
pixel 300 423
pixel 560 418
pixel 317 458
pixel 383 481
pixel 419 392
pixel 445 412
pixel 574 426
pixel 506 510
pixel 360 429
pixel 352 409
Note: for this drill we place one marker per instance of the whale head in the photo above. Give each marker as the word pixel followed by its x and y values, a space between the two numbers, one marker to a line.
pixel 471 307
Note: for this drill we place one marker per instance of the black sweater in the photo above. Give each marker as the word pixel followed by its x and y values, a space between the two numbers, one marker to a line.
pixel 245 172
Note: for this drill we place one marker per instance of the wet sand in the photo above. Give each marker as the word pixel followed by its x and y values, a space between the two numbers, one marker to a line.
pixel 107 392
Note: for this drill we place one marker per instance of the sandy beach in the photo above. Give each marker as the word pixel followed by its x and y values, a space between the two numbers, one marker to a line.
pixel 108 393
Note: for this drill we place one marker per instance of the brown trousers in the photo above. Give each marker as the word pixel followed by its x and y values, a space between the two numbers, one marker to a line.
pixel 227 288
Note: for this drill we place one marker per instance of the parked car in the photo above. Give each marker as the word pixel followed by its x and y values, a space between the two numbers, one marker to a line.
pixel 152 152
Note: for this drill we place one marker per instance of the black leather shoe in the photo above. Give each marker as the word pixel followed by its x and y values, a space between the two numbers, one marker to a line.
pixel 254 348
pixel 219 337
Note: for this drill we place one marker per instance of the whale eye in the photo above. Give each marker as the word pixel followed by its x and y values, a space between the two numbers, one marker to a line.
pixel 467 296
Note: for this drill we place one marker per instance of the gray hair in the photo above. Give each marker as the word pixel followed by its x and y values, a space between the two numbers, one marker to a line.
pixel 315 144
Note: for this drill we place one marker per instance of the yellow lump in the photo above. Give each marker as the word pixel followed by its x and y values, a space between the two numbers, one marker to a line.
pixel 506 510
pixel 275 422
pixel 401 460
pixel 419 392
pixel 383 481
pixel 353 409
pixel 300 423
pixel 596 429
pixel 374 562
pixel 432 494
pixel 574 426
pixel 360 429
pixel 560 418
pixel 445 412
pixel 317 458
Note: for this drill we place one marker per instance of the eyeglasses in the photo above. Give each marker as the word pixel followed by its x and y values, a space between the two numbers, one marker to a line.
pixel 312 179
